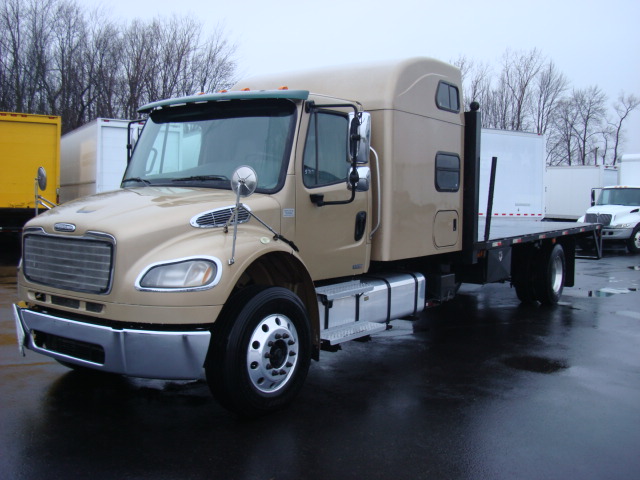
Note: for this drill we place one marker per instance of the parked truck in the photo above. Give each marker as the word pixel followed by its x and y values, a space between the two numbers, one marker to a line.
pixel 93 157
pixel 617 207
pixel 29 143
pixel 259 226
pixel 568 189
pixel 519 191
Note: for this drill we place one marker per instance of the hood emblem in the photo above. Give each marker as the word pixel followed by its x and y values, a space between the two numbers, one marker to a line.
pixel 64 227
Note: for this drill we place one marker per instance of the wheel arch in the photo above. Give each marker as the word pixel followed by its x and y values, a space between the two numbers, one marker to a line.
pixel 282 269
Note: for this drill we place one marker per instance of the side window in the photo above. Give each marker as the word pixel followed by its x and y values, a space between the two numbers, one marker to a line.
pixel 325 152
pixel 447 172
pixel 448 97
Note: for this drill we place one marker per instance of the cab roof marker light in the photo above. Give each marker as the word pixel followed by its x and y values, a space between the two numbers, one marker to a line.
pixel 283 88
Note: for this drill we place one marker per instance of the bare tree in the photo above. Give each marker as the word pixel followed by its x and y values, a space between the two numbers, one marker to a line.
pixel 102 57
pixel 549 85
pixel 623 107
pixel 67 82
pixel 213 64
pixel 561 143
pixel 476 80
pixel 519 73
pixel 589 106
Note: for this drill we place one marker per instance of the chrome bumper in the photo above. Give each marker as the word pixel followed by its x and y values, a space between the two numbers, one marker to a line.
pixel 136 353
pixel 616 233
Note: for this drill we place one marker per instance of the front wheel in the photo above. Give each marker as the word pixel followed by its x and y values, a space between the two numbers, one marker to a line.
pixel 633 243
pixel 260 351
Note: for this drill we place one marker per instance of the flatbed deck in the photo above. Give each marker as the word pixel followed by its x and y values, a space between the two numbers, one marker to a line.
pixel 505 232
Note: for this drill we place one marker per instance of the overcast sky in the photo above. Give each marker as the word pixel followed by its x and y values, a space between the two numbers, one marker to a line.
pixel 591 42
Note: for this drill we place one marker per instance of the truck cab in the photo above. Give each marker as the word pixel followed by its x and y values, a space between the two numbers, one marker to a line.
pixel 617 208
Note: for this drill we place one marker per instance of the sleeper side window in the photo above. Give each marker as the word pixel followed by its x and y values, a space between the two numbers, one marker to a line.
pixel 448 97
pixel 447 172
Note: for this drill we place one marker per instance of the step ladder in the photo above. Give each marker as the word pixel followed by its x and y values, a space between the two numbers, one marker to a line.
pixel 352 330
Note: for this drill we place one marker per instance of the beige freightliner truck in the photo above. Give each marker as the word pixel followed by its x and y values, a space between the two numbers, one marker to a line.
pixel 256 227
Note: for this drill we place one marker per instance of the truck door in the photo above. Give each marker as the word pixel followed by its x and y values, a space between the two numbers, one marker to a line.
pixel 333 239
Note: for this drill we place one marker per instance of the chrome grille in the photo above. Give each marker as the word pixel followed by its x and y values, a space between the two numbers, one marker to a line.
pixel 219 217
pixel 603 218
pixel 78 264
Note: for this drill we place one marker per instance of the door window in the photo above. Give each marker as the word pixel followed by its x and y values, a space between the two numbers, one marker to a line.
pixel 325 153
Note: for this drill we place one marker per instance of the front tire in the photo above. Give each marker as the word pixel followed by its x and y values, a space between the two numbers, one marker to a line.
pixel 633 243
pixel 260 351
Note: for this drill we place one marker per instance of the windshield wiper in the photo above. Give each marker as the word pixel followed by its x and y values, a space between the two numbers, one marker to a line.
pixel 137 179
pixel 200 178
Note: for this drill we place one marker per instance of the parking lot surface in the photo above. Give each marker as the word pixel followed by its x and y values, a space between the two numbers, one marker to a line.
pixel 478 388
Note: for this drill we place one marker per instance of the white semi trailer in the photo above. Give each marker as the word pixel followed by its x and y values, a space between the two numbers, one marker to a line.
pixel 93 158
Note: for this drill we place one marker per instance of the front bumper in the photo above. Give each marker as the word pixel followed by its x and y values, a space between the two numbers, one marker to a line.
pixel 136 353
pixel 616 233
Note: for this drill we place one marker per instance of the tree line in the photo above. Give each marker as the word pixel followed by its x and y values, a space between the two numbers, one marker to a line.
pixel 57 58
pixel 530 94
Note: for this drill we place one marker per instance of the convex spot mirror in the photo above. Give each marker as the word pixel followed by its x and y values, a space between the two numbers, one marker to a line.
pixel 364 180
pixel 42 178
pixel 360 136
pixel 244 181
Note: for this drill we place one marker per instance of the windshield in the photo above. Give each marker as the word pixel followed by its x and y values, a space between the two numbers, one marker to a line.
pixel 202 144
pixel 620 196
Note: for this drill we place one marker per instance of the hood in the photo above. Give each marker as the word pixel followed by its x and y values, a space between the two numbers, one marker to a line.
pixel 613 210
pixel 619 214
pixel 151 210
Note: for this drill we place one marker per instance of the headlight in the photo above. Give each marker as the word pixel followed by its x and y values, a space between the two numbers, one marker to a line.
pixel 623 225
pixel 188 274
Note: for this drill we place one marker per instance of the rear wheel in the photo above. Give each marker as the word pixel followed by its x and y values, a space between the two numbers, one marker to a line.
pixel 633 243
pixel 549 275
pixel 260 351
pixel 522 276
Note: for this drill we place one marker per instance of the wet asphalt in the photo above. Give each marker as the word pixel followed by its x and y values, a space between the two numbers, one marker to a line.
pixel 478 388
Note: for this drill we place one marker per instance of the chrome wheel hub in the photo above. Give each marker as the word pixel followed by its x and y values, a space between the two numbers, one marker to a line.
pixel 272 353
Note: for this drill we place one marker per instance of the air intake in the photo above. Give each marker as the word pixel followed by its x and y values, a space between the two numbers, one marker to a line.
pixel 219 217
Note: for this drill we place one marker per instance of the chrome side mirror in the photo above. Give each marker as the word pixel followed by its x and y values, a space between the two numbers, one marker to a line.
pixel 42 178
pixel 364 180
pixel 361 128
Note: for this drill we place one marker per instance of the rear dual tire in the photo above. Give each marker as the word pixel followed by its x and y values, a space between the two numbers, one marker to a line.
pixel 540 275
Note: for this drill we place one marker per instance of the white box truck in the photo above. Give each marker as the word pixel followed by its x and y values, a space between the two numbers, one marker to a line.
pixel 519 182
pixel 568 189
pixel 617 208
pixel 93 158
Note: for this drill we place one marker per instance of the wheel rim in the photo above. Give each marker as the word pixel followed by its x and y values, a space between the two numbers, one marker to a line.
pixel 557 274
pixel 272 354
pixel 636 239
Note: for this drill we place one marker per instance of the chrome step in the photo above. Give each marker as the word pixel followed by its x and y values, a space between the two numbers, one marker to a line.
pixel 351 331
pixel 344 290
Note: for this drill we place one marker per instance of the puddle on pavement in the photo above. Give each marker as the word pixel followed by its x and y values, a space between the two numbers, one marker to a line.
pixel 531 363
pixel 608 292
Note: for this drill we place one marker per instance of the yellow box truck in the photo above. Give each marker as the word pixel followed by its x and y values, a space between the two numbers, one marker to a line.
pixel 28 143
